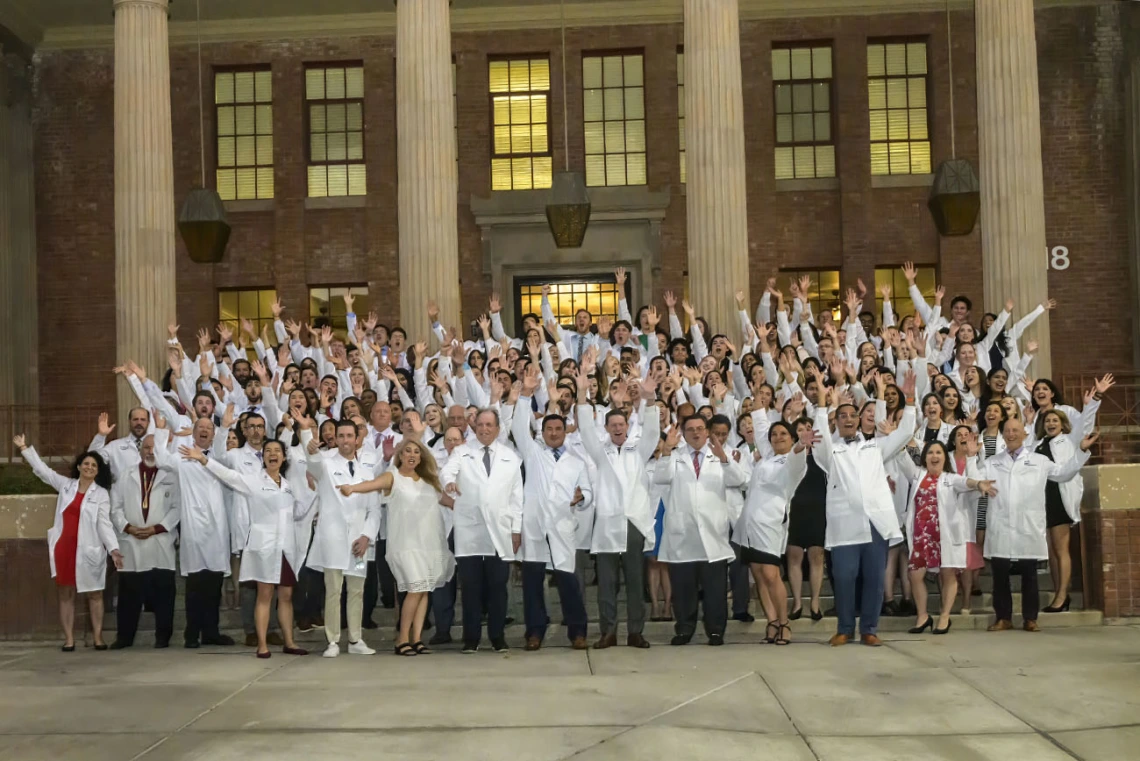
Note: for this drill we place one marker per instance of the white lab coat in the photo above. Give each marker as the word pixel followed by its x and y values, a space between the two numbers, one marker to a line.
pixel 1015 518
pixel 274 512
pixel 955 528
pixel 96 537
pixel 858 495
pixel 698 517
pixel 341 520
pixel 1063 448
pixel 763 523
pixel 204 528
pixel 247 461
pixel 550 523
pixel 488 508
pixel 621 491
pixel 121 454
pixel 157 551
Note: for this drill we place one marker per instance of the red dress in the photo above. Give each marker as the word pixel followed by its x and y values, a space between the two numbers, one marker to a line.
pixel 67 545
pixel 926 541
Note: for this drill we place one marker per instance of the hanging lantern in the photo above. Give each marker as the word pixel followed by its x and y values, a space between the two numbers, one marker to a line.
pixel 203 225
pixel 568 212
pixel 955 198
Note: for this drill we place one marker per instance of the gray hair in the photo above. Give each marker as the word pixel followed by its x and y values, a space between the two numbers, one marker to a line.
pixel 490 411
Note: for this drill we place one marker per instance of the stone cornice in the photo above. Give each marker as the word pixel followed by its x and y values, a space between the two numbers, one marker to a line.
pixel 494 18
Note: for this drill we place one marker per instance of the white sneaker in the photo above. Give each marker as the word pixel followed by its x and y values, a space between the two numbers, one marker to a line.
pixel 359 648
pixel 332 651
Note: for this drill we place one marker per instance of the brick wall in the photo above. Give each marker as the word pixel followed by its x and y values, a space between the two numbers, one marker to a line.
pixel 855 227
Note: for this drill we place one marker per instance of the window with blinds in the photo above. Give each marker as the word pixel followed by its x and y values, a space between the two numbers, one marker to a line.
pixel 597 295
pixel 681 107
pixel 334 116
pixel 253 304
pixel 326 305
pixel 243 109
pixel 613 108
pixel 823 294
pixel 802 93
pixel 521 157
pixel 925 279
pixel 897 91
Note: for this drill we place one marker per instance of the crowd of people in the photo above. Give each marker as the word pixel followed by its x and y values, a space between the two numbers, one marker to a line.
pixel 871 449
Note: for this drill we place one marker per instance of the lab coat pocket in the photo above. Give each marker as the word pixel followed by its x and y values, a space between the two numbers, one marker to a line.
pixel 261 539
pixel 94 558
pixel 568 527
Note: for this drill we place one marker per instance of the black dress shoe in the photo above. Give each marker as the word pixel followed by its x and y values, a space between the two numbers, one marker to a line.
pixel 160 644
pixel 221 640
pixel 68 648
pixel 816 615
pixel 890 608
pixel 470 647
pixel 746 617
pixel 191 644
pixel 716 640
pixel 370 624
pixel 508 620
pixel 795 614
pixel 101 647
pixel 441 638
pixel 120 645
pixel 499 645
pixel 680 639
pixel 920 629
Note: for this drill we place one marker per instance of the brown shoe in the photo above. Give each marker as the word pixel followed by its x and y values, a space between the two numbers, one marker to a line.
pixel 533 643
pixel 1031 626
pixel 606 640
pixel 1001 625
pixel 870 640
pixel 636 640
pixel 838 640
pixel 273 638
pixel 579 643
pixel 251 640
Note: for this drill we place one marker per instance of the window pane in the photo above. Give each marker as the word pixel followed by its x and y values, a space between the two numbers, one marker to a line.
pixel 634 71
pixel 781 64
pixel 226 120
pixel 801 98
pixel 224 88
pixel 501 108
pixel 318 182
pixel 317 147
pixel 918 124
pixel 635 103
pixel 540 74
pixel 336 117
pixel 263 86
pixel 499 72
pixel 543 172
pixel 538 109
pixel 615 137
pixel 227 305
pixel 635 169
pixel 878 125
pixel 876 66
pixel 614 104
pixel 896 93
pixel 354 82
pixel 521 177
pixel 821 63
pixel 896 60
pixel 615 169
pixel 355 146
pixel 246 151
pixel 317 122
pixel 263 115
pixel 338 180
pixel 502 139
pixel 880 162
pixel 823 128
pixel 247 304
pixel 596 169
pixel 243 87
pixel 877 93
pixel 897 125
pixel 825 161
pixel 354 116
pixel 337 146
pixel 315 84
pixel 783 99
pixel 592 106
pixel 900 158
pixel 226 151
pixel 916 58
pixel 538 139
pixel 783 128
pixel 821 95
pixel 595 138
pixel 591 73
pixel 612 71
pixel 805 161
pixel 785 166
pixel 920 158
pixel 520 76
pixel 226 184
pixel 265 182
pixel 500 174
pixel 916 92
pixel 802 128
pixel 801 63
pixel 334 84
pixel 520 138
pixel 357 180
pixel 635 137
pixel 246 184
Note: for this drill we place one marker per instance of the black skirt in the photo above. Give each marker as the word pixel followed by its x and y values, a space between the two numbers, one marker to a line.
pixel 749 555
pixel 807 522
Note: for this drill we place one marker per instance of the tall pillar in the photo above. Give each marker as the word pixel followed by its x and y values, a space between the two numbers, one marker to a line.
pixel 144 189
pixel 717 204
pixel 7 358
pixel 1009 144
pixel 428 186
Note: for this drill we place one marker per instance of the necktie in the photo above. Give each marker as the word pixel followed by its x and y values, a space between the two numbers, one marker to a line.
pixel 138 445
pixel 487 459
pixel 379 436
pixel 697 463
pixel 581 340
pixel 260 457
pixel 558 454
pixel 351 468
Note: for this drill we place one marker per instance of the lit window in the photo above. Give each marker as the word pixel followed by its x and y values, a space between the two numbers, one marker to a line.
pixel 243 104
pixel 613 107
pixel 334 114
pixel 520 110
pixel 255 305
pixel 326 305
pixel 599 296
pixel 681 107
pixel 823 294
pixel 925 279
pixel 805 142
pixel 896 89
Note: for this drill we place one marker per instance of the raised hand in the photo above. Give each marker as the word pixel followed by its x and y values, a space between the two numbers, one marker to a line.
pixel 159 420
pixel 605 324
pixel 545 290
pixel 909 272
pixel 972 445
pixel 1049 304
pixel 886 292
pixel 349 300
pixel 673 438
pixel 1009 305
pixel 172 330
pixel 203 339
pixel 862 288
pixel 388 448
pixel 717 450
pixel 192 452
pixel 225 334
pixel 106 427
pixel 740 299
pixel 137 371
pixel 1104 384
pixel 228 416
pixel 294 329
pixel 1088 441
pixel 805 286
pixel 670 301
pixel 433 312
pixel 619 276
pixel 688 309
pixel 247 328
pixel 1031 346
pixel 987 488
pixel 530 380
pixel 495 306
pixel 20 441
pixel 485 325
pixel 652 317
pixel 277 308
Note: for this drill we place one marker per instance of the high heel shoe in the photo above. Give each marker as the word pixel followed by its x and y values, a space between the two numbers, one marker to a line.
pixel 1062 608
pixel 942 631
pixel 816 615
pixel 920 629
pixel 795 614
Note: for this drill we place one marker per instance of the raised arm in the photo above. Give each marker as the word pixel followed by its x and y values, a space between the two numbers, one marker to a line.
pixel 42 471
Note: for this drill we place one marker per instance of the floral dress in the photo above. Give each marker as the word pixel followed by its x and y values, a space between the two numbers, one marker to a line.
pixel 926 543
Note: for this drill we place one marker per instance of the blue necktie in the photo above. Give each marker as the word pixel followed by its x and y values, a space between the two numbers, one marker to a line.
pixel 558 454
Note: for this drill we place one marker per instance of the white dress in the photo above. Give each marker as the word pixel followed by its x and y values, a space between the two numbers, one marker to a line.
pixel 417 538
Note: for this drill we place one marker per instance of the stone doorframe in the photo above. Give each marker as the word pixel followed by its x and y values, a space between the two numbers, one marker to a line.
pixel 625 231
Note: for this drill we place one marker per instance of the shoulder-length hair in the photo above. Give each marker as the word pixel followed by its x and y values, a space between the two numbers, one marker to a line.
pixel 947 466
pixel 102 477
pixel 1039 424
pixel 426 469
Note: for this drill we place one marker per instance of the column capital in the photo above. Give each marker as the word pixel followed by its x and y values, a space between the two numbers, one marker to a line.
pixel 157 4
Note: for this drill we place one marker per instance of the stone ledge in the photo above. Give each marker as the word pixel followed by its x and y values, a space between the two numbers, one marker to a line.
pixel 1111 487
pixel 246 205
pixel 902 180
pixel 337 202
pixel 26 516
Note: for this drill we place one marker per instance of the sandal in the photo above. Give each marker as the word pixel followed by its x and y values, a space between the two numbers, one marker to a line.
pixel 421 648
pixel 768 637
pixel 405 649
pixel 780 638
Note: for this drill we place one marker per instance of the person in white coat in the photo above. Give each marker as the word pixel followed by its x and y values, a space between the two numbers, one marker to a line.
pixel 204 535
pixel 277 514
pixel 145 512
pixel 938 526
pixel 623 515
pixel 694 540
pixel 482 483
pixel 1062 502
pixel 1015 520
pixel 779 466
pixel 556 491
pixel 80 537
pixel 861 518
pixel 346 530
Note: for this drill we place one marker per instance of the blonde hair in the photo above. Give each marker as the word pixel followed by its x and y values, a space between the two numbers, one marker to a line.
pixel 1066 426
pixel 426 469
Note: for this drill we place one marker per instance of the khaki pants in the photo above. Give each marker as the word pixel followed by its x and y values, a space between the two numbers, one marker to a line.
pixel 354 605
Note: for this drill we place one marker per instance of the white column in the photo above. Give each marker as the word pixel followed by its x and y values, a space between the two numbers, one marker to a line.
pixel 144 188
pixel 717 218
pixel 428 180
pixel 7 357
pixel 1009 144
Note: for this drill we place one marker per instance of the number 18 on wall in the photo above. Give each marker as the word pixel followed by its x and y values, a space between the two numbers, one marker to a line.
pixel 1058 257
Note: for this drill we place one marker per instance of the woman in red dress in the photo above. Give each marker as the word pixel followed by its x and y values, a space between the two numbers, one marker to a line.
pixel 80 538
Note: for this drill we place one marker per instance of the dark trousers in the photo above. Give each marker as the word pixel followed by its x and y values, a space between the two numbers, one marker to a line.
pixel 443 600
pixel 386 581
pixel 738 575
pixel 156 590
pixel 203 596
pixel 711 579
pixel 847 563
pixel 534 601
pixel 309 595
pixel 483 577
pixel 1003 594
pixel 632 565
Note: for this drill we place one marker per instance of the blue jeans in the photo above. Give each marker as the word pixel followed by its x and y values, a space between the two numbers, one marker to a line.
pixel 846 563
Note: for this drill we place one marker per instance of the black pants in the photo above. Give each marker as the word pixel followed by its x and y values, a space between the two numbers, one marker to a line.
pixel 739 575
pixel 309 595
pixel 483 577
pixel 711 578
pixel 443 600
pixel 155 589
pixel 534 601
pixel 1003 593
pixel 203 596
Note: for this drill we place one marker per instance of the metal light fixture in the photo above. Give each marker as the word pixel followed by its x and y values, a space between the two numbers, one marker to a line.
pixel 955 197
pixel 202 220
pixel 568 212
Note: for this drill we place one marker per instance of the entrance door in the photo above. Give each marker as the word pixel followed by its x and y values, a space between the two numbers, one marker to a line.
pixel 598 294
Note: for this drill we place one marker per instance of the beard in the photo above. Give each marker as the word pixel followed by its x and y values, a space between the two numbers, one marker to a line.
pixel 150 462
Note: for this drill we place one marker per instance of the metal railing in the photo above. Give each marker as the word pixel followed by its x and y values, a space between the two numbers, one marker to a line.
pixel 1118 419
pixel 53 430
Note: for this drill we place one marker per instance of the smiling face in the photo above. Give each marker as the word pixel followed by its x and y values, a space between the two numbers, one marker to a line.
pixel 950 398
pixel 847 421
pixel 273 456
pixel 1042 394
pixel 781 441
pixel 1052 423
pixel 618 428
pixel 409 457
pixel 932 408
pixel 582 321
pixel 554 433
pixel 345 439
pixel 1013 433
pixel 935 459
pixel 998 379
pixel 993 414
pixel 89 468
pixel 487 427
